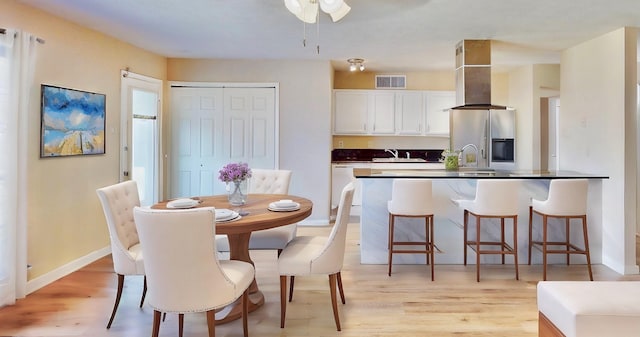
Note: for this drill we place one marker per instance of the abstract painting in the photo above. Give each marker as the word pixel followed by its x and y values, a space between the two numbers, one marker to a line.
pixel 73 122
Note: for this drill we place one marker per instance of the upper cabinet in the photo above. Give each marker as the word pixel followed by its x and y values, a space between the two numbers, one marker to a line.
pixel 392 112
pixel 350 112
pixel 437 112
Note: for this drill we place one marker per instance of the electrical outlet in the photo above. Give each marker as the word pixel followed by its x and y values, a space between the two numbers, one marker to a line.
pixel 341 144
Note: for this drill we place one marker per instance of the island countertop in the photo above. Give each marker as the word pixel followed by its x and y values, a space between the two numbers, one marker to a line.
pixel 471 173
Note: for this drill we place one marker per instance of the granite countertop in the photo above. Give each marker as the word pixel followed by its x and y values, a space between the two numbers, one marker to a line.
pixel 471 173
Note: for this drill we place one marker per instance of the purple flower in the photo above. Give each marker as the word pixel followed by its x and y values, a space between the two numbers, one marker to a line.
pixel 235 172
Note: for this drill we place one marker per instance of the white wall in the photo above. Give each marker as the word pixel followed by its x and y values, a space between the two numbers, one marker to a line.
pixel 597 133
pixel 521 98
pixel 305 115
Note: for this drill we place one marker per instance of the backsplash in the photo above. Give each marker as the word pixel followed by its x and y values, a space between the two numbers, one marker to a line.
pixel 337 155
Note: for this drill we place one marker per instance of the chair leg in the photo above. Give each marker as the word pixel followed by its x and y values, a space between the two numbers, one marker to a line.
pixel 245 312
pixel 544 247
pixel 118 296
pixel 292 281
pixel 180 324
pixel 144 291
pixel 340 289
pixel 431 247
pixel 515 245
pixel 477 249
pixel 334 304
pixel 502 237
pixel 567 236
pixel 464 231
pixel 156 324
pixel 390 245
pixel 586 245
pixel 530 232
pixel 283 299
pixel 211 323
pixel 427 237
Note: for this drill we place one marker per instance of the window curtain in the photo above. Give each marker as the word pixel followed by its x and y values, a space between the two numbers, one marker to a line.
pixel 17 62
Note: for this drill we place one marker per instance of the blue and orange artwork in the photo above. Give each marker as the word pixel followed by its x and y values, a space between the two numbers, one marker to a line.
pixel 73 122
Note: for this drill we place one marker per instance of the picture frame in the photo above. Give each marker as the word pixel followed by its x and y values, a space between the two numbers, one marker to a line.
pixel 72 122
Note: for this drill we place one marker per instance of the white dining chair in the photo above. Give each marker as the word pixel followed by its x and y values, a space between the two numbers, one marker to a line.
pixel 317 255
pixel 266 182
pixel 118 202
pixel 183 272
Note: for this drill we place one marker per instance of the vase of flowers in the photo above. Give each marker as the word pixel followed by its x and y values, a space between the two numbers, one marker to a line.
pixel 236 175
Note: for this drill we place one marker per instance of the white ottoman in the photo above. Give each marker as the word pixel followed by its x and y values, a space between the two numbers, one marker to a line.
pixel 589 309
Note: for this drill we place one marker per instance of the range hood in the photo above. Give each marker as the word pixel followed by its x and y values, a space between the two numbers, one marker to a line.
pixel 473 75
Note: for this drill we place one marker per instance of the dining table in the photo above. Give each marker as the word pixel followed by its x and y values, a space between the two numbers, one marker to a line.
pixel 255 215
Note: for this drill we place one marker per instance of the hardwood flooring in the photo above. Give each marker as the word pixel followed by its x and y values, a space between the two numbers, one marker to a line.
pixel 406 304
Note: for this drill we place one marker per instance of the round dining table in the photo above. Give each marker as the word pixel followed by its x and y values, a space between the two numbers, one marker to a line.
pixel 255 216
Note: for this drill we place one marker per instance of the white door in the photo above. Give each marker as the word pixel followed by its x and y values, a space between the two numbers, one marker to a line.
pixel 140 134
pixel 382 112
pixel 410 112
pixel 554 110
pixel 214 126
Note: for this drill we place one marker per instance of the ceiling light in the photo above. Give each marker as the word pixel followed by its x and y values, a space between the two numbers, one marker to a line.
pixel 307 10
pixel 355 64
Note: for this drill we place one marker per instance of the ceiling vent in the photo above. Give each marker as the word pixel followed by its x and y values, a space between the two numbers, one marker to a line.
pixel 391 81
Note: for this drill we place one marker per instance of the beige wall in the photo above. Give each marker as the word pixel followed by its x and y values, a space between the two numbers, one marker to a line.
pixel 65 219
pixel 305 115
pixel 598 133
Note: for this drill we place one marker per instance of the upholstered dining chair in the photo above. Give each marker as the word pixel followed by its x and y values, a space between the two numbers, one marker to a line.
pixel 118 202
pixel 267 182
pixel 183 272
pixel 317 255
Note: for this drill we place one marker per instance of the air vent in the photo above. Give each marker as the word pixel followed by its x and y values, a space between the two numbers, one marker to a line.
pixel 391 81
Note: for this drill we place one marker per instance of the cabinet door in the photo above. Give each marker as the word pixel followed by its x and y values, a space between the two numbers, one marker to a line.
pixel 382 112
pixel 350 112
pixel 409 112
pixel 437 114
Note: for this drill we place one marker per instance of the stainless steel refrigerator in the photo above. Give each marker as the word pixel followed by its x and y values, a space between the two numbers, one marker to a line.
pixel 485 137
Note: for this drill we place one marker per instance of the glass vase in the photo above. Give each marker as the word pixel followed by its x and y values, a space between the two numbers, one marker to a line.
pixel 237 192
pixel 451 159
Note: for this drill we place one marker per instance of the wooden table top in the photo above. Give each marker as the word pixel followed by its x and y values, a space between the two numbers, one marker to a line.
pixel 259 217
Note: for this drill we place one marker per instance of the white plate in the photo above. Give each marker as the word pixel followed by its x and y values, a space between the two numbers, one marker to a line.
pixel 283 209
pixel 237 217
pixel 223 214
pixel 284 204
pixel 183 203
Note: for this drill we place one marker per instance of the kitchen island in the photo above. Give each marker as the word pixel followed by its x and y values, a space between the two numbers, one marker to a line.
pixel 448 218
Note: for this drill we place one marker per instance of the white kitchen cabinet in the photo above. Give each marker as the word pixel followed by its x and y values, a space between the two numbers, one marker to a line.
pixel 438 104
pixel 382 112
pixel 350 112
pixel 341 175
pixel 410 110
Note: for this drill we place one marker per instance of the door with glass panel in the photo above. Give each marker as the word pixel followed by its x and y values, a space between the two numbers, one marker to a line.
pixel 140 138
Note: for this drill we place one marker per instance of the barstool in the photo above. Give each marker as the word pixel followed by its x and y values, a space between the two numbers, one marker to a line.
pixel 412 198
pixel 567 200
pixel 495 198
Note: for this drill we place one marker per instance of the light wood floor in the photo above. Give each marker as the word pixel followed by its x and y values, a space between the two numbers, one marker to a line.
pixel 405 304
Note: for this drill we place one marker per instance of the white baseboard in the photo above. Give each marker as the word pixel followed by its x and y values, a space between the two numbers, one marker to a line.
pixel 66 269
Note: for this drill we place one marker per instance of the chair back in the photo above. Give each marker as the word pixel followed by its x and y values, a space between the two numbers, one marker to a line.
pixel 411 197
pixel 269 181
pixel 183 272
pixel 566 197
pixel 331 257
pixel 496 197
pixel 118 202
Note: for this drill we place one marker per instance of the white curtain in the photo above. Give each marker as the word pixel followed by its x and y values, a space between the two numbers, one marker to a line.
pixel 17 62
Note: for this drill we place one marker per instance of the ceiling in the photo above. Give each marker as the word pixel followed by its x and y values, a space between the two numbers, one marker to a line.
pixel 391 35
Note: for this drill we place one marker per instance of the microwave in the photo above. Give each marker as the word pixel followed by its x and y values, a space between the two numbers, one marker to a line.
pixel 502 150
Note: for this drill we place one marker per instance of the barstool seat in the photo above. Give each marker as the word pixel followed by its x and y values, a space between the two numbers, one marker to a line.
pixel 495 198
pixel 567 200
pixel 412 198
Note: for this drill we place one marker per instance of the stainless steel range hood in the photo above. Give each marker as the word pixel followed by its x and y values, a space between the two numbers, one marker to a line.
pixel 473 75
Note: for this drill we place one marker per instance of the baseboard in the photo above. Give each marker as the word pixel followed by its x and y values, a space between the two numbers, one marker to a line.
pixel 66 269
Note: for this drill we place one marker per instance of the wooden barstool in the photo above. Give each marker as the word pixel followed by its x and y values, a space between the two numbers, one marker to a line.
pixel 495 198
pixel 567 200
pixel 412 198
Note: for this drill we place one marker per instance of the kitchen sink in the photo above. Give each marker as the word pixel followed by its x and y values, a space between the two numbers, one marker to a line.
pixel 399 160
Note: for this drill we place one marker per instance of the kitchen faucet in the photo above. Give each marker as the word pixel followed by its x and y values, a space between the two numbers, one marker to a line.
pixel 393 152
pixel 464 158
